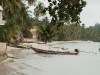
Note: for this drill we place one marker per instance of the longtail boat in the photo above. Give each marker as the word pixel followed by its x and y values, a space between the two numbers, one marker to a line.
pixel 55 52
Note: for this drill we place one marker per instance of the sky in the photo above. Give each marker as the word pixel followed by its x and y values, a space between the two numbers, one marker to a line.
pixel 90 14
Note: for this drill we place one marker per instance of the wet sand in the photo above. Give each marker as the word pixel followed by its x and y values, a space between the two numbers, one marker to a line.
pixel 5 65
pixel 12 58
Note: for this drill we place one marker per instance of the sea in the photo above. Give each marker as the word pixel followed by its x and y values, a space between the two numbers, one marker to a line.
pixel 28 62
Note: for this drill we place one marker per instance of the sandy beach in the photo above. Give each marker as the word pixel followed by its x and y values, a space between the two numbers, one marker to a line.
pixel 23 61
pixel 14 55
pixel 13 51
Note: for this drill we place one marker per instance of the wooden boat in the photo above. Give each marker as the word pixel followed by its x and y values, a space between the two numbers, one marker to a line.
pixel 55 52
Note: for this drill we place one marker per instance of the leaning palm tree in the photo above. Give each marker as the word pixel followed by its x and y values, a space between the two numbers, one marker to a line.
pixel 46 33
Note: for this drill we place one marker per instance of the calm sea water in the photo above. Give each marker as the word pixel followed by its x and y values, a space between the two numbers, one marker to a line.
pixel 31 63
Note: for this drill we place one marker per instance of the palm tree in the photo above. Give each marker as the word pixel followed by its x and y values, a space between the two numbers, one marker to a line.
pixel 38 11
pixel 46 32
pixel 7 31
pixel 16 16
pixel 9 7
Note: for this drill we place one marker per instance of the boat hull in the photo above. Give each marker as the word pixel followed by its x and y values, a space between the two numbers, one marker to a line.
pixel 53 52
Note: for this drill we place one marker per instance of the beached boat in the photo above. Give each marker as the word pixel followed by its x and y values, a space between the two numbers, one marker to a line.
pixel 55 52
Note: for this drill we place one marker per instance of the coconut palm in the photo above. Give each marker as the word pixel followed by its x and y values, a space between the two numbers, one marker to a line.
pixel 7 31
pixel 10 6
pixel 38 11
pixel 46 32
pixel 16 16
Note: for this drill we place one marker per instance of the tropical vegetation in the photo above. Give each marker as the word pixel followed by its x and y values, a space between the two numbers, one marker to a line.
pixel 64 23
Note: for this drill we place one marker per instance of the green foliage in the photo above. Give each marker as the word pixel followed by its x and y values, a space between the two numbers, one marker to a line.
pixel 46 33
pixel 61 11
pixel 17 18
pixel 65 10
pixel 68 32
pixel 27 33
pixel 92 33
pixel 8 31
pixel 37 22
pixel 97 25
pixel 38 11
pixel 62 37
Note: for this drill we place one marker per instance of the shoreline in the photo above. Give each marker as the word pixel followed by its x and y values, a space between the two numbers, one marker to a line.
pixel 28 62
pixel 10 50
pixel 3 57
pixel 9 53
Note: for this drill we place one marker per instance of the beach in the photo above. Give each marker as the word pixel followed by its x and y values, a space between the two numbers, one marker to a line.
pixel 10 49
pixel 23 61
pixel 12 52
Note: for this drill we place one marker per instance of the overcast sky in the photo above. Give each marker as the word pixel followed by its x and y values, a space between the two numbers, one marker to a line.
pixel 90 14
